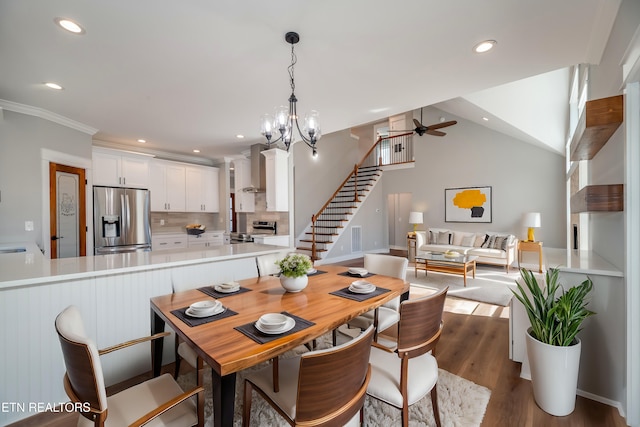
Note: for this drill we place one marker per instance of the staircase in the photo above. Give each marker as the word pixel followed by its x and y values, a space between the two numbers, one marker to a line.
pixel 331 220
pixel 327 226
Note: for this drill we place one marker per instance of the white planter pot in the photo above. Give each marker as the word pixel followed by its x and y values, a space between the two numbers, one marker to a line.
pixel 294 284
pixel 554 375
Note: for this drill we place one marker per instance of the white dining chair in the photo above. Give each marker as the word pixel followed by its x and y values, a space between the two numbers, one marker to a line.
pixel 403 376
pixel 159 401
pixel 267 263
pixel 386 315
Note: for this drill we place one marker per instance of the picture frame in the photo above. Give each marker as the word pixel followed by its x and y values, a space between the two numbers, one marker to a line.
pixel 468 204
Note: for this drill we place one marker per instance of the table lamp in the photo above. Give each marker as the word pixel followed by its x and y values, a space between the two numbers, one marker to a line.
pixel 531 220
pixel 415 218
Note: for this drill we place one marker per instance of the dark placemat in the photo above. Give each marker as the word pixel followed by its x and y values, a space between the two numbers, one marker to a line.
pixel 252 332
pixel 346 273
pixel 316 273
pixel 197 321
pixel 209 290
pixel 346 293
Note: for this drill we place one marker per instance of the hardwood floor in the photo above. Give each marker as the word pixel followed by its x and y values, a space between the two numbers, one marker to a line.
pixel 475 346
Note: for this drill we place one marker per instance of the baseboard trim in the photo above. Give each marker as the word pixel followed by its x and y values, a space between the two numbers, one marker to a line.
pixel 349 257
pixel 587 395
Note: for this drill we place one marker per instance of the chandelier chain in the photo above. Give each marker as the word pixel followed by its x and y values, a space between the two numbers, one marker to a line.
pixel 294 60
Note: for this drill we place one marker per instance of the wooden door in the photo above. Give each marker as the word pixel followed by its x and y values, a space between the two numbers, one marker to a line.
pixel 67 211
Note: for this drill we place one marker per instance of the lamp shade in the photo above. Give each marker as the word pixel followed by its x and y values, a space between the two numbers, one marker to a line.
pixel 531 219
pixel 415 218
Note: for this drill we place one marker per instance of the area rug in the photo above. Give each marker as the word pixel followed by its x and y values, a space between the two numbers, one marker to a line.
pixel 461 402
pixel 491 285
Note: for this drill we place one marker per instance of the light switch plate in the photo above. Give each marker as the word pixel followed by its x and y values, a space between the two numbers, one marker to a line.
pixel 28 226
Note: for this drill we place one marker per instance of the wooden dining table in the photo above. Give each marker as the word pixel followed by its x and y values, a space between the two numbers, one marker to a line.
pixel 227 350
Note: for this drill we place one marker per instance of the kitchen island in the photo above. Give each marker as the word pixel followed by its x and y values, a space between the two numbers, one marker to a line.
pixel 112 293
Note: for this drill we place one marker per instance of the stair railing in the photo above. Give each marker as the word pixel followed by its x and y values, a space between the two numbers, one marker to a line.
pixel 378 155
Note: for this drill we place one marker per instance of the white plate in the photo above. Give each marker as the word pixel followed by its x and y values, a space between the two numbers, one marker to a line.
pixel 221 309
pixel 362 290
pixel 287 327
pixel 226 290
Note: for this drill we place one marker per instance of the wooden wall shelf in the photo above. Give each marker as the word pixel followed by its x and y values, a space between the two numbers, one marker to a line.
pixel 598 198
pixel 600 119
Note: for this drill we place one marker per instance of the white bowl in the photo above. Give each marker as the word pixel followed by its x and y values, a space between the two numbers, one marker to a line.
pixel 361 284
pixel 229 285
pixel 272 321
pixel 205 305
pixel 358 271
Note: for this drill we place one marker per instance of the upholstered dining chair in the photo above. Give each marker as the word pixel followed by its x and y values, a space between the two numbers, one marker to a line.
pixel 267 263
pixel 159 401
pixel 320 388
pixel 386 315
pixel 404 376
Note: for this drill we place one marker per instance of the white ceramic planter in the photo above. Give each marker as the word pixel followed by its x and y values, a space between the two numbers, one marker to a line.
pixel 294 284
pixel 554 375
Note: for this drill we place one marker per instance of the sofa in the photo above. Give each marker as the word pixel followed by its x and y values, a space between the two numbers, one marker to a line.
pixel 490 247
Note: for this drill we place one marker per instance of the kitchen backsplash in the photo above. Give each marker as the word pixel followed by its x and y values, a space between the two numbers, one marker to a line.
pixel 261 214
pixel 175 222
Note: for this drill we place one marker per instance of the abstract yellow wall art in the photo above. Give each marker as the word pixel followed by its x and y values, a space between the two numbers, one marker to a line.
pixel 468 204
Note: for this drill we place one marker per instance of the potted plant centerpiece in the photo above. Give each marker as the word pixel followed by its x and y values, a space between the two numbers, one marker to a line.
pixel 556 315
pixel 293 271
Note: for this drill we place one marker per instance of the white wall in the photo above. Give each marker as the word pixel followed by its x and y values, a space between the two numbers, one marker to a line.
pixel 315 180
pixel 21 139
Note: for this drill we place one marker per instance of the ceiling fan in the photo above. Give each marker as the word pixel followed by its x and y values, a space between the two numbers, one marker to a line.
pixel 429 130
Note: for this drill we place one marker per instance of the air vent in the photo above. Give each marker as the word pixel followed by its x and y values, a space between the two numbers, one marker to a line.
pixel 356 239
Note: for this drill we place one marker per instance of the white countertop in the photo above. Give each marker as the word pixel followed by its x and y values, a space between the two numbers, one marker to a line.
pixel 32 268
pixel 585 262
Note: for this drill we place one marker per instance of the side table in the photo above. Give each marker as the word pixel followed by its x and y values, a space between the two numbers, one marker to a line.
pixel 411 244
pixel 526 246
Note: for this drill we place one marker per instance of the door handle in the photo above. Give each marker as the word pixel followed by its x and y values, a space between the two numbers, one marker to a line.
pixel 56 237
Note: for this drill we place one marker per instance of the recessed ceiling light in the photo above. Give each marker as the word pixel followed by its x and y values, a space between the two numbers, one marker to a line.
pixel 69 25
pixel 196 151
pixel 142 141
pixel 52 85
pixel 484 46
pixel 239 136
pixel 486 119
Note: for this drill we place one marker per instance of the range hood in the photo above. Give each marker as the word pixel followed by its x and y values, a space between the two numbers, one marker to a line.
pixel 258 173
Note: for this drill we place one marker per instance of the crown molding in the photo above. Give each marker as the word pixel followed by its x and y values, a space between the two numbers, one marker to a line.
pixel 47 115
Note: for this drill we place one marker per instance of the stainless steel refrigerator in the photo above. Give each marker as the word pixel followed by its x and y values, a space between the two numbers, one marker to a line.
pixel 121 220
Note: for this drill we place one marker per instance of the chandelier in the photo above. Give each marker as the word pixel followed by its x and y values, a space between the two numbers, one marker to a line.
pixel 286 119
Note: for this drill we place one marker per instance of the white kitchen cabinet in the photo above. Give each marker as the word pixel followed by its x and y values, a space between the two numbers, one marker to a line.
pixel 202 193
pixel 163 242
pixel 167 185
pixel 206 239
pixel 245 202
pixel 277 173
pixel 115 168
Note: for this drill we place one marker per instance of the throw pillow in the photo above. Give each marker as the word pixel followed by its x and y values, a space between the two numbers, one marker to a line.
pixel 444 238
pixel 500 243
pixel 480 239
pixel 468 240
pixel 488 242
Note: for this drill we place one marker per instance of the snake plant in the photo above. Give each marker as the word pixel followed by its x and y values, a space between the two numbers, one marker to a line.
pixel 555 320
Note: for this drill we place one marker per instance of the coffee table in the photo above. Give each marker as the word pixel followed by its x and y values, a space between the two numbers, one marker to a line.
pixel 437 261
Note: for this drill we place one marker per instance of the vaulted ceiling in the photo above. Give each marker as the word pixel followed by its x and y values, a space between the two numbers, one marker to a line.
pixel 194 74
